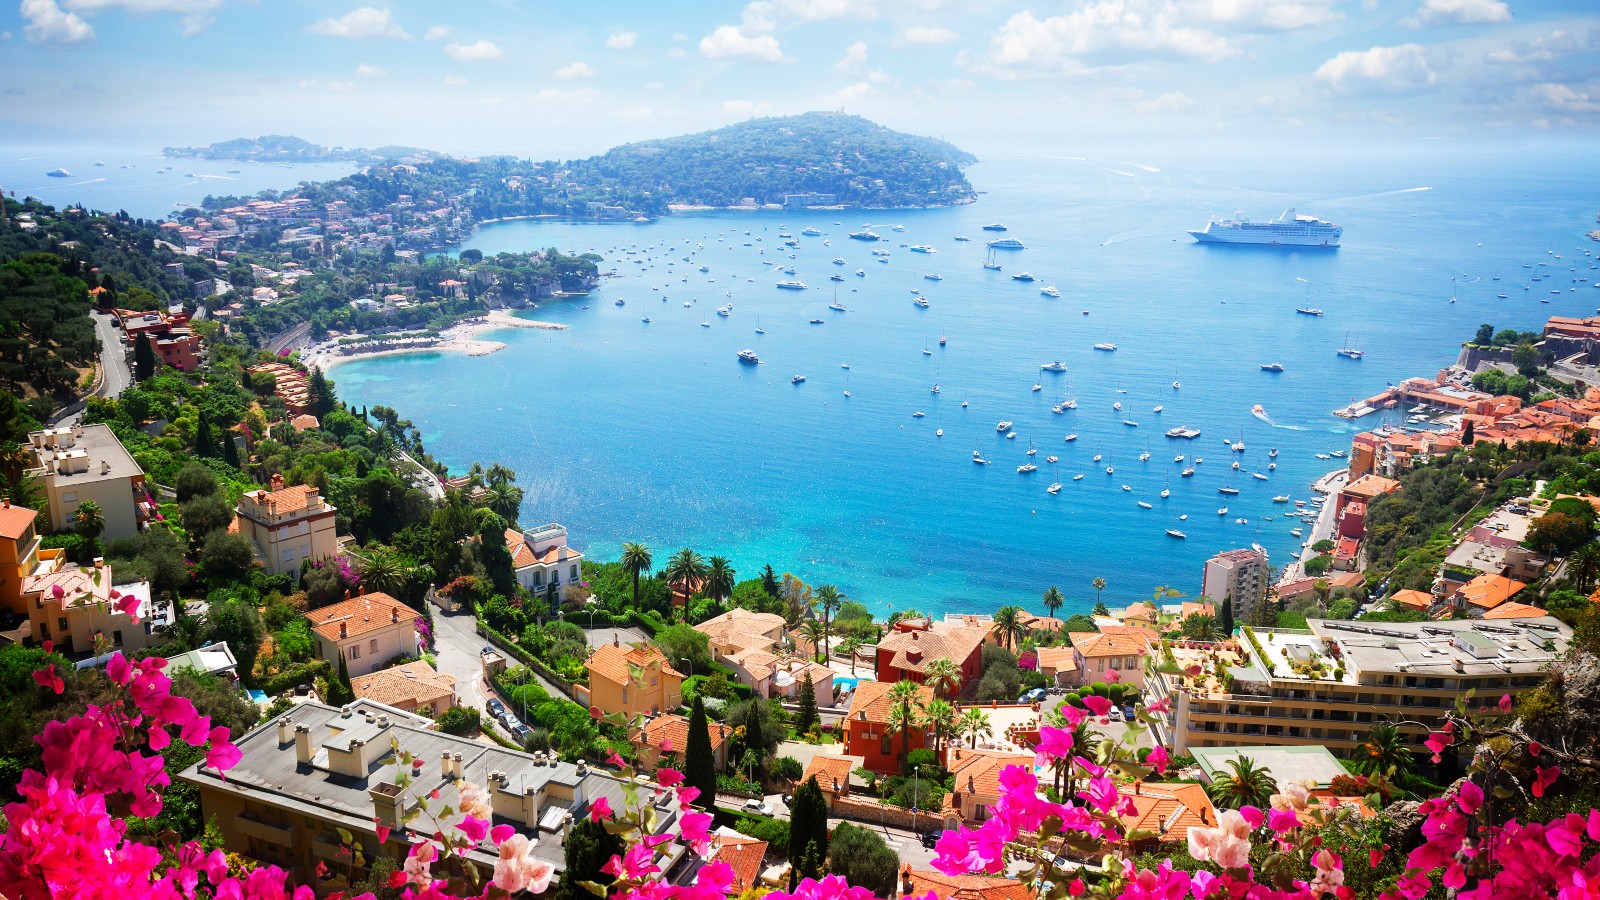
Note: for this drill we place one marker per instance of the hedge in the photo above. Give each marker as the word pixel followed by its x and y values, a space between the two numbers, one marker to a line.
pixel 648 622
pixel 520 655
pixel 298 674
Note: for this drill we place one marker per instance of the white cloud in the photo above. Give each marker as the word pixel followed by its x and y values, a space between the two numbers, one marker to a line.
pixel 745 107
pixel 854 92
pixel 437 32
pixel 1459 12
pixel 366 71
pixel 49 24
pixel 1380 70
pixel 728 42
pixel 366 22
pixel 1260 15
pixel 763 15
pixel 564 96
pixel 1112 27
pixel 878 76
pixel 923 34
pixel 677 53
pixel 654 86
pixel 478 51
pixel 194 15
pixel 575 71
pixel 855 56
pixel 633 114
pixel 1558 44
pixel 1170 102
pixel 455 81
pixel 1564 99
pixel 622 40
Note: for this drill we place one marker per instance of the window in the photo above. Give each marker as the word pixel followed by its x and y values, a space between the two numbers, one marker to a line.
pixel 538 578
pixel 61 625
pixel 355 651
pixel 572 573
pixel 116 638
pixel 883 746
pixel 373 648
pixel 69 497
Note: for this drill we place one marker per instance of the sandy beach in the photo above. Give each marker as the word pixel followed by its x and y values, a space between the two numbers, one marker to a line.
pixel 462 337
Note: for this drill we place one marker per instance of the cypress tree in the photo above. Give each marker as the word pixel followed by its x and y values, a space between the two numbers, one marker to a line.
pixel 230 450
pixel 753 738
pixel 1467 434
pixel 806 717
pixel 205 443
pixel 144 357
pixel 808 829
pixel 699 762
pixel 1227 617
pixel 588 847
pixel 323 398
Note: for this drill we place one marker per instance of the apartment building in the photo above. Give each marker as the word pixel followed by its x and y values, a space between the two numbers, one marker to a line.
pixel 866 727
pixel 87 462
pixel 20 556
pixel 542 560
pixel 319 770
pixel 1121 649
pixel 1327 686
pixel 287 526
pixel 905 652
pixel 636 680
pixel 365 631
pixel 1240 577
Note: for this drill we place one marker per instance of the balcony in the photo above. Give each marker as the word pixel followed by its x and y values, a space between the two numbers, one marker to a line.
pixel 251 824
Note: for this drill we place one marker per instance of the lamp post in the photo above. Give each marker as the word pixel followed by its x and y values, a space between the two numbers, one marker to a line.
pixel 592 607
pixel 916 793
pixel 690 662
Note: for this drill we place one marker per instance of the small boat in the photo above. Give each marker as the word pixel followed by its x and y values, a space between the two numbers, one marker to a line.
pixel 1296 532
pixel 1003 427
pixel 1054 488
pixel 1110 471
pixel 921 302
pixel 705 324
pixel 1308 311
pixel 1117 406
pixel 748 357
pixel 933 276
pixel 962 237
pixel 1022 276
pixel 1273 452
pixel 1145 456
pixel 1258 476
pixel 59 173
pixel 994 227
pixel 1056 366
pixel 835 277
pixel 1026 468
pixel 797 379
pixel 838 260
pixel 992 266
pixel 943 340
pixel 1158 408
pixel 836 306
pixel 1130 423
pixel 1281 498
pixel 1165 493
pixel 1145 505
pixel 1176 385
pixel 816 321
pixel 1272 367
pixel 1337 453
pixel 1096 458
pixel 1050 291
pixel 934 389
pixel 921 248
pixel 917 415
pixel 861 273
pixel 1223 511
pixel 1183 518
pixel 1037 387
pixel 1126 488
pixel 1050 459
pixel 1187 473
pixel 645 320
pixel 725 311
pixel 1078 477
pixel 1072 437
pixel 844 365
pixel 620 302
pixel 1106 346
pixel 792 285
pixel 1236 465
pixel 979 459
pixel 1178 458
pixel 1228 490
pixel 1173 532
pixel 939 432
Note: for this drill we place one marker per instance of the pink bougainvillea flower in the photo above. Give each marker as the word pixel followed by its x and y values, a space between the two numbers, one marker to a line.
pixel 694 833
pixel 1505 703
pixel 1543 778
pixel 474 828
pixel 615 760
pixel 1158 759
pixel 1054 743
pixel 666 745
pixel 501 833
pixel 1227 845
pixel 600 809
pixel 1469 797
pixel 1098 705
pixel 47 676
pixel 1437 741
pixel 518 870
pixel 129 606
pixel 1113 676
pixel 668 777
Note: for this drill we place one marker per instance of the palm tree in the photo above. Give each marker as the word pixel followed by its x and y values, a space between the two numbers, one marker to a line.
pixel 719 579
pixel 901 615
pixel 636 558
pixel 828 599
pixel 943 676
pixel 1383 751
pixel 903 716
pixel 1053 600
pixel 382 572
pixel 940 719
pixel 1008 624
pixel 688 569
pixel 813 631
pixel 505 499
pixel 1099 584
pixel 974 724
pixel 850 645
pixel 1249 785
pixel 89 521
pixel 1203 627
pixel 499 475
pixel 1584 565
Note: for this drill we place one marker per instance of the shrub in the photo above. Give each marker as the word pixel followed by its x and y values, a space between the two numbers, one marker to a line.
pixel 461 720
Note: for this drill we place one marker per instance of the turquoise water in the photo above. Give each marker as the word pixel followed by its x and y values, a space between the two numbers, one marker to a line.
pixel 623 430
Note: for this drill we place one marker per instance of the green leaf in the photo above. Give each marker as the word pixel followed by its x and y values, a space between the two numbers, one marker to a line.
pixel 346 836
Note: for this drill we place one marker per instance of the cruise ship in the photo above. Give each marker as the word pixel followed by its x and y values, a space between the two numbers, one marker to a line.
pixel 1008 244
pixel 1288 230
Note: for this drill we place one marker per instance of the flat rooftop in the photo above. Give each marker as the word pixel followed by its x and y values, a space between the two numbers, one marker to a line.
pixel 97 442
pixel 1436 648
pixel 1288 765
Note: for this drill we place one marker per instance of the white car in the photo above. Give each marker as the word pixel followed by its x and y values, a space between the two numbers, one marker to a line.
pixel 758 807
pixel 1114 714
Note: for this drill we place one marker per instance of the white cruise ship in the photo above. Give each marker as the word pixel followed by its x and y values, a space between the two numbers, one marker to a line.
pixel 1288 230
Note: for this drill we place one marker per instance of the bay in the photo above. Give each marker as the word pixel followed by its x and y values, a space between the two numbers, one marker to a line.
pixel 627 431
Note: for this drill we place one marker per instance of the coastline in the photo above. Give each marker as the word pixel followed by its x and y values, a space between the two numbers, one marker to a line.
pixel 462 337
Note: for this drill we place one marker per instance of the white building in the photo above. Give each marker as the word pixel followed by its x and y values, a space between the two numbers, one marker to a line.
pixel 87 462
pixel 542 560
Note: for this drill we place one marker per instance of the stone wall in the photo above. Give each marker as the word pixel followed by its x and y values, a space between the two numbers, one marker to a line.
pixel 874 813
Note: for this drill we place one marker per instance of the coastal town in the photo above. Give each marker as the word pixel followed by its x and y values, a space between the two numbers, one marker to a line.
pixel 374 632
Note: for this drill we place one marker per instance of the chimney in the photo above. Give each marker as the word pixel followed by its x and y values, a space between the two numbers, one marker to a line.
pixel 105 467
pixel 5 503
pixel 383 720
pixel 277 482
pixel 344 711
pixel 444 764
pixel 616 641
pixel 343 631
pixel 915 635
pixel 455 765
pixel 285 731
pixel 99 562
pixel 302 744
pixel 394 614
pixel 1204 819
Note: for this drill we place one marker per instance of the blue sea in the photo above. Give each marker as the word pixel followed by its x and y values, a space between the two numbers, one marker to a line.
pixel 627 431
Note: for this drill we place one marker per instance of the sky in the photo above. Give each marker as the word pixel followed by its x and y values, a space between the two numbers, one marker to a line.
pixel 550 80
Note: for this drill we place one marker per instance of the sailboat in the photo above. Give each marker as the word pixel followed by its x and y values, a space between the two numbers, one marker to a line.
pixel 989 263
pixel 1166 491
pixel 1349 351
pixel 759 329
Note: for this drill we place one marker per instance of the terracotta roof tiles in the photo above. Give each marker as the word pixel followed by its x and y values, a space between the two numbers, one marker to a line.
pixel 965 887
pixel 359 615
pixel 871 701
pixel 829 770
pixel 405 686
pixel 611 661
pixel 670 733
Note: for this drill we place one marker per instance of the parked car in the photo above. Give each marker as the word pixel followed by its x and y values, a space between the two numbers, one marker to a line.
pixel 486 650
pixel 930 838
pixel 1130 712
pixel 1115 714
pixel 512 723
pixel 495 707
pixel 757 806
pixel 1036 695
pixel 519 732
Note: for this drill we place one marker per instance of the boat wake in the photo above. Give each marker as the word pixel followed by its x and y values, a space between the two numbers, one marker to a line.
pixel 90 181
pixel 1412 190
pixel 1268 419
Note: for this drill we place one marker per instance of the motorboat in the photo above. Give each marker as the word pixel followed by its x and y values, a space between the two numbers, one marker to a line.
pixel 748 357
pixel 1143 504
pixel 1173 532
pixel 1003 427
pixel 792 285
pixel 816 321
pixel 1036 388
pixel 621 302
pixel 1272 367
pixel 1130 423
pixel 1117 406
pixel 1050 291
pixel 1078 477
pixel 933 276
pixel 1106 346
pixel 1054 488
pixel 994 227
pixel 1072 437
pixel 943 340
pixel 1022 276
pixel 1026 468
pixel 1056 366
pixel 1258 476
pixel 1281 498
pixel 922 303
pixel 797 379
pixel 1228 490
pixel 1050 459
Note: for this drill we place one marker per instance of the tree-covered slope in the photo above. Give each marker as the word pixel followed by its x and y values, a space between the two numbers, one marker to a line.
pixel 860 162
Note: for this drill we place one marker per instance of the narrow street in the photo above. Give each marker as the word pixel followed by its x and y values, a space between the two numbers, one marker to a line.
pixel 113 364
pixel 458 649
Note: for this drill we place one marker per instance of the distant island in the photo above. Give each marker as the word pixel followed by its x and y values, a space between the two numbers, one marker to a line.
pixel 288 148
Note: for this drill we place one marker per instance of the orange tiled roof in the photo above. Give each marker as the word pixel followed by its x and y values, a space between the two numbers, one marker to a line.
pixel 611 661
pixel 359 615
pixel 1106 643
pixel 829 770
pixel 744 855
pixel 872 698
pixel 1057 658
pixel 14 520
pixel 287 500
pixel 1488 591
pixel 1417 600
pixel 522 555
pixel 672 730
pixel 1514 611
pixel 965 887
pixel 411 684
pixel 978 771
pixel 78 586
pixel 1370 486
pixel 1170 810
pixel 914 649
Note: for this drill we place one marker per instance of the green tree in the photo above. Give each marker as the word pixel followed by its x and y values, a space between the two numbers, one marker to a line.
pixel 974 724
pixel 1052 600
pixel 682 642
pixel 1246 784
pixel 1202 627
pixel 687 571
pixel 1583 566
pixel 1099 585
pixel 1485 335
pixel 808 830
pixel 226 556
pixel 1469 434
pixel 719 579
pixel 205 440
pixel 699 762
pixel 904 718
pixel 635 559
pixel 195 480
pixel 769 580
pixel 805 718
pixel 588 846
pixel 236 622
pixel 1225 617
pixel 1557 533
pixel 943 676
pixel 89 521
pixel 323 400
pixel 1383 751
pixel 1526 358
pixel 755 738
pixel 1010 626
pixel 144 358
pixel 864 860
pixel 383 571
pixel 828 599
pixel 203 515
pixel 505 500
pixel 939 717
